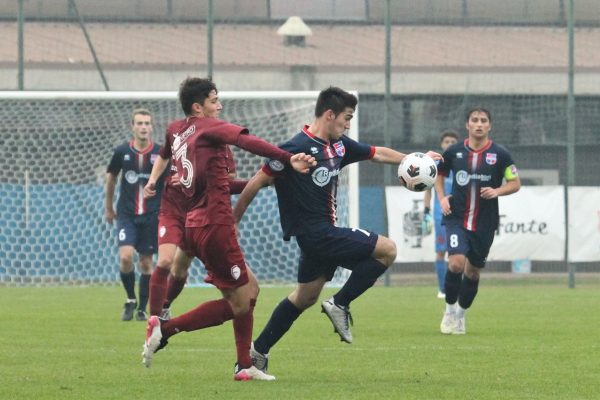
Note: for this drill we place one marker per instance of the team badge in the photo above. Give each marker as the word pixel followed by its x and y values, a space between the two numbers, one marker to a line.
pixel 490 158
pixel 276 165
pixel 153 158
pixel 236 272
pixel 340 150
pixel 162 231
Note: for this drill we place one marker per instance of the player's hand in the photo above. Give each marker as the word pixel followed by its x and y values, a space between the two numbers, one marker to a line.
pixel 175 180
pixel 110 215
pixel 302 162
pixel 436 156
pixel 150 189
pixel 488 193
pixel 427 223
pixel 445 205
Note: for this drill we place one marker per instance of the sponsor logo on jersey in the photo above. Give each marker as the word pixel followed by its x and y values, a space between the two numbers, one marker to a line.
pixel 463 177
pixel 236 272
pixel 339 148
pixel 131 177
pixel 490 158
pixel 162 231
pixel 276 165
pixel 321 176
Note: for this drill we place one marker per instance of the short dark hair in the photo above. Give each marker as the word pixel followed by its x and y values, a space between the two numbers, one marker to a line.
pixel 140 111
pixel 478 109
pixel 194 90
pixel 335 99
pixel 448 133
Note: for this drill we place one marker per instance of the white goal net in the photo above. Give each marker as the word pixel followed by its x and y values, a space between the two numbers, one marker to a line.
pixel 54 149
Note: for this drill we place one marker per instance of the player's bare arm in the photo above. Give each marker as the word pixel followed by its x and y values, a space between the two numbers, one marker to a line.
pixel 109 210
pixel 444 200
pixel 302 162
pixel 509 187
pixel 257 182
pixel 389 156
pixel 157 170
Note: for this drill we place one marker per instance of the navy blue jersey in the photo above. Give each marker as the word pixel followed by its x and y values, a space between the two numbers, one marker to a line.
pixel 136 167
pixel 307 202
pixel 472 171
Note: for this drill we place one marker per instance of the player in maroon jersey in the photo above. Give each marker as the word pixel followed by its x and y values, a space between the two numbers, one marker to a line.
pixel 169 276
pixel 200 149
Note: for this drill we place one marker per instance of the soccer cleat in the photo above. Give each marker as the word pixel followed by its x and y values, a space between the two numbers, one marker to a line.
pixel 259 360
pixel 128 310
pixel 340 318
pixel 250 374
pixel 459 327
pixel 154 340
pixel 165 314
pixel 448 323
pixel 441 295
pixel 141 315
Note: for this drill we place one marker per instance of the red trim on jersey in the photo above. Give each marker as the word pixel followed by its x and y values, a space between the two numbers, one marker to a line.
pixel 267 170
pixel 372 153
pixel 484 148
pixel 312 136
pixel 145 151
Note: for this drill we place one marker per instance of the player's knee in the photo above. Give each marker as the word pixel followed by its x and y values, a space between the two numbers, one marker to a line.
pixel 387 251
pixel 164 262
pixel 126 262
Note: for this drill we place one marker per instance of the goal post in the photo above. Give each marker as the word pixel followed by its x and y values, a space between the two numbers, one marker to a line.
pixel 55 147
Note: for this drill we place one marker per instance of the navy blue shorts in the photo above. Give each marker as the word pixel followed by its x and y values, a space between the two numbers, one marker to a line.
pixel 474 245
pixel 139 231
pixel 323 251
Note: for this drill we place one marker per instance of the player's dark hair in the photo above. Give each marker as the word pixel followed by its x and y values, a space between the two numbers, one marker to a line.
pixel 140 111
pixel 335 99
pixel 194 90
pixel 448 133
pixel 479 109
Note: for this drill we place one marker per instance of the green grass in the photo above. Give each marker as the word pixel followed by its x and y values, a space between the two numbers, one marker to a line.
pixel 523 342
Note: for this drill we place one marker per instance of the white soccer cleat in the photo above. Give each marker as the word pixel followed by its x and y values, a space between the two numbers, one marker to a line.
pixel 259 360
pixel 340 318
pixel 441 295
pixel 459 327
pixel 153 340
pixel 448 323
pixel 251 374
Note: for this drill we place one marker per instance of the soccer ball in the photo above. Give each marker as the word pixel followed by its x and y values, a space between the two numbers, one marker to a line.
pixel 417 172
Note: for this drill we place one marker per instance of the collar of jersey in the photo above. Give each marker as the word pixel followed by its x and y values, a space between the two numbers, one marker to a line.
pixel 146 150
pixel 487 146
pixel 313 137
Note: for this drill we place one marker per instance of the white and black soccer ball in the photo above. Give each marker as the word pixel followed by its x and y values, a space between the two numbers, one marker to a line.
pixel 417 172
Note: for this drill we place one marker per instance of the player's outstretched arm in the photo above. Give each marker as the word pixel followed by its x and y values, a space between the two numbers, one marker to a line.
pixel 385 155
pixel 257 182
pixel 109 211
pixel 157 170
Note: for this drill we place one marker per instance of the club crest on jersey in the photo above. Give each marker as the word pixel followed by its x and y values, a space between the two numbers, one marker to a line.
pixel 490 158
pixel 162 231
pixel 340 150
pixel 153 158
pixel 276 165
pixel 236 272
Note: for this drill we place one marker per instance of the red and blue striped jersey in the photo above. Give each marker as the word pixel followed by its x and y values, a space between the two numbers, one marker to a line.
pixel 307 202
pixel 136 167
pixel 473 170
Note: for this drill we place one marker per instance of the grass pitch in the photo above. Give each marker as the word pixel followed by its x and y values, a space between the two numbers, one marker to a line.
pixel 523 342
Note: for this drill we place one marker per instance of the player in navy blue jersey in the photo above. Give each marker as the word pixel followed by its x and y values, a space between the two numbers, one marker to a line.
pixel 307 207
pixel 137 217
pixel 479 167
pixel 447 138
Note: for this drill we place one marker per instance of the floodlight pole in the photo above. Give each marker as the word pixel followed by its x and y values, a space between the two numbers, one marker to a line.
pixel 570 134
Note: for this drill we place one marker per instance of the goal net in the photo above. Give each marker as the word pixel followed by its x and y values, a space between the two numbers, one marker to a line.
pixel 55 147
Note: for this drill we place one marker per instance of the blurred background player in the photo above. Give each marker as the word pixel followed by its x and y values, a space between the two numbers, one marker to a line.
pixel 200 148
pixel 447 138
pixel 137 217
pixel 170 275
pixel 307 208
pixel 470 211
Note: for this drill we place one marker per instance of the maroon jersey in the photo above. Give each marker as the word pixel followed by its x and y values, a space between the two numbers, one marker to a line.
pixel 203 161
